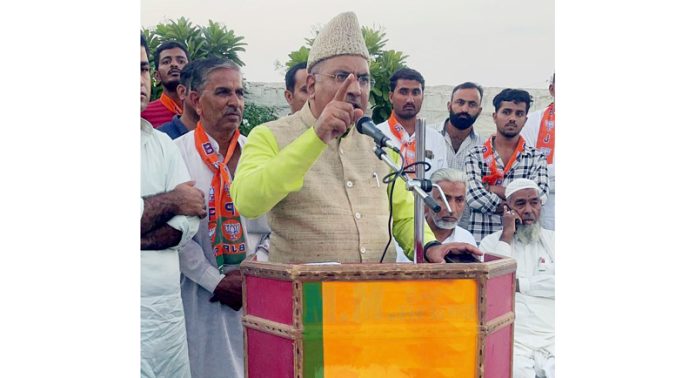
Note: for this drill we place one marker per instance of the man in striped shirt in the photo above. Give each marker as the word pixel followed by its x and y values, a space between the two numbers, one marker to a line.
pixel 502 158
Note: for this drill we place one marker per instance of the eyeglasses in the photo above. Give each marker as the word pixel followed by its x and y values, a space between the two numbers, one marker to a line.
pixel 341 76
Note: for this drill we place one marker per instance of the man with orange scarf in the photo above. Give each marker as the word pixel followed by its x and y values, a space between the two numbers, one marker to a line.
pixel 211 287
pixel 406 88
pixel 540 132
pixel 170 59
pixel 503 157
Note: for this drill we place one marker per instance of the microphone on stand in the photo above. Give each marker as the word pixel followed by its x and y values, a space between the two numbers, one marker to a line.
pixel 365 126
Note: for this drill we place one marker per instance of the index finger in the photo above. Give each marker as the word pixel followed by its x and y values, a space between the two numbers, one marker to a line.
pixel 343 89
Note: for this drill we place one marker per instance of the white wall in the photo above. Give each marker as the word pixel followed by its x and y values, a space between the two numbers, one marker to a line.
pixel 434 108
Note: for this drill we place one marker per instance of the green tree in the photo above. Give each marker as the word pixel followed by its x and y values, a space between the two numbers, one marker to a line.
pixel 382 67
pixel 383 63
pixel 255 115
pixel 200 41
pixel 222 42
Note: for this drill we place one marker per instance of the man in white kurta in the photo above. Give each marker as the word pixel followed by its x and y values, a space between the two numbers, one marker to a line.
pixel 168 209
pixel 443 223
pixel 216 323
pixel 533 248
pixel 215 333
pixel 537 125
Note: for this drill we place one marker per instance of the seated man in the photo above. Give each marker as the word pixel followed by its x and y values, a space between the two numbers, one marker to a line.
pixel 444 224
pixel 523 238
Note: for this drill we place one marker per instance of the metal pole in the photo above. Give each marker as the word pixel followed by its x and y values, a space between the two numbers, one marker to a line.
pixel 418 216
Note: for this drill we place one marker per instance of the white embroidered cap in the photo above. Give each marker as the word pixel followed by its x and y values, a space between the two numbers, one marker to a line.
pixel 519 184
pixel 341 36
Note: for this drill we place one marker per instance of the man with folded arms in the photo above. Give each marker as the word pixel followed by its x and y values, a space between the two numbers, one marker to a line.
pixel 169 210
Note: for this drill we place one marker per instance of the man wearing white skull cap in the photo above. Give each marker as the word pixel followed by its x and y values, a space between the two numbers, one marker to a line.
pixel 523 238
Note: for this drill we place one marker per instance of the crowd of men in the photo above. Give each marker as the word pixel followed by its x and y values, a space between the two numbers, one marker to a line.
pixel 306 188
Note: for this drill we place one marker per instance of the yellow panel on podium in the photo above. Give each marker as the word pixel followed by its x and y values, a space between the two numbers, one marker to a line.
pixel 379 320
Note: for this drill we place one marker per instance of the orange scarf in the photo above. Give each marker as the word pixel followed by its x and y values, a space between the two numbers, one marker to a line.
pixel 496 177
pixel 224 222
pixel 546 140
pixel 170 104
pixel 408 145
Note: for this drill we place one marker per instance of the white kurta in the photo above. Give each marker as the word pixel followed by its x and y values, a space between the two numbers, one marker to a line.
pixel 530 133
pixel 434 142
pixel 215 337
pixel 458 235
pixel 534 303
pixel 162 329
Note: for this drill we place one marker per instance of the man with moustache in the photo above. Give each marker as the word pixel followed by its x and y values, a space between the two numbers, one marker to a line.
pixel 211 286
pixel 502 158
pixel 464 108
pixel 406 96
pixel 533 247
pixel 169 210
pixel 296 86
pixel 181 124
pixel 318 178
pixel 170 59
pixel 460 137
pixel 444 224
pixel 540 131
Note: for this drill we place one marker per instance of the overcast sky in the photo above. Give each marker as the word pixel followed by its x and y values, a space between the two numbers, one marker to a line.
pixel 501 43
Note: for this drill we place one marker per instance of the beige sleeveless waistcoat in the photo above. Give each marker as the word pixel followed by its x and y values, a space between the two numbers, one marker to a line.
pixel 342 210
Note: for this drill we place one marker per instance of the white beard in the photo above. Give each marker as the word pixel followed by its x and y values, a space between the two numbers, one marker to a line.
pixel 445 225
pixel 528 234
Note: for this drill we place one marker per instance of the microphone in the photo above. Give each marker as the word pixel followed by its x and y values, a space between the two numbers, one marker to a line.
pixel 367 127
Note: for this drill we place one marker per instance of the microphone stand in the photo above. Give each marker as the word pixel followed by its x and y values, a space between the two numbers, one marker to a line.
pixel 419 216
pixel 418 186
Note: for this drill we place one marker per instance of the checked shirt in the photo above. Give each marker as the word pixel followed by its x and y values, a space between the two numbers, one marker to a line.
pixel 530 164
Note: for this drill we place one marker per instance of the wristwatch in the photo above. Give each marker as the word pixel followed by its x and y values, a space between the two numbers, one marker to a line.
pixel 428 245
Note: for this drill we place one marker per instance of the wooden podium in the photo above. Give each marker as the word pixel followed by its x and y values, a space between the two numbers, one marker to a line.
pixel 379 320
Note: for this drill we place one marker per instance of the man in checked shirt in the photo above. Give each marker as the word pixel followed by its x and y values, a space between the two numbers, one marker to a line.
pixel 503 157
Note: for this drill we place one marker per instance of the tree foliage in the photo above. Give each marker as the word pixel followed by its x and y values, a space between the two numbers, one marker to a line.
pixel 383 63
pixel 255 115
pixel 200 41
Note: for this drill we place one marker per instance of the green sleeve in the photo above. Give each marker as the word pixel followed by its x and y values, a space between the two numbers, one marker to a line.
pixel 403 224
pixel 265 174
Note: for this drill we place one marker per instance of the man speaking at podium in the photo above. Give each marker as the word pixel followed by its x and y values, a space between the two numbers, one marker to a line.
pixel 318 179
